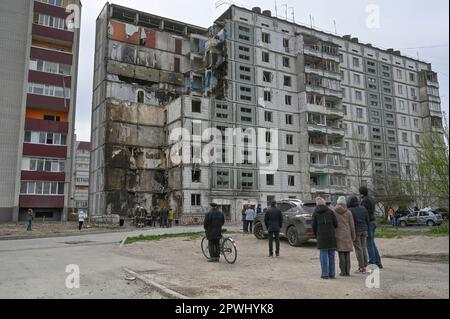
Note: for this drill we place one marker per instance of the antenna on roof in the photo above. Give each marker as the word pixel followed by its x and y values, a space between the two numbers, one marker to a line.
pixel 311 20
pixel 335 27
pixel 285 5
pixel 276 9
pixel 293 14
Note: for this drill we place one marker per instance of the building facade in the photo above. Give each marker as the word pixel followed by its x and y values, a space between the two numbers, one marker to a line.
pixel 80 181
pixel 37 106
pixel 329 112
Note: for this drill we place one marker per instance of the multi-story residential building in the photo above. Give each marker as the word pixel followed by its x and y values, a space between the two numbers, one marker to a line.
pixel 336 112
pixel 80 180
pixel 39 54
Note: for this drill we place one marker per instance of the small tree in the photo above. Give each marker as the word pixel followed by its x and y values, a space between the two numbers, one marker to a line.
pixel 433 163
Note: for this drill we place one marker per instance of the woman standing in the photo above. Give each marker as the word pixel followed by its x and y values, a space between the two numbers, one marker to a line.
pixel 324 225
pixel 345 235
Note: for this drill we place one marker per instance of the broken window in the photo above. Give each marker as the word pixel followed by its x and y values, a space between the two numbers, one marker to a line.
pixel 177 65
pixel 196 175
pixel 287 81
pixel 140 96
pixel 267 76
pixel 196 106
pixel 128 54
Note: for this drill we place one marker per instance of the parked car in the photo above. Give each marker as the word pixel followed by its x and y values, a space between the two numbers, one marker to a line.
pixel 422 217
pixel 297 222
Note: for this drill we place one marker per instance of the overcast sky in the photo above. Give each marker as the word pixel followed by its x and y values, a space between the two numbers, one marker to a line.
pixel 416 27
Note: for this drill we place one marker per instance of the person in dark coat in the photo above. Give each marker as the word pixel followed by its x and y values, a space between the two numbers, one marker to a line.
pixel 155 215
pixel 362 224
pixel 164 212
pixel 369 203
pixel 273 219
pixel 214 220
pixel 324 225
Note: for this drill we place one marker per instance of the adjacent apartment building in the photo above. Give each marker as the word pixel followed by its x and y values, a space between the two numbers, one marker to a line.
pixel 80 180
pixel 337 113
pixel 38 54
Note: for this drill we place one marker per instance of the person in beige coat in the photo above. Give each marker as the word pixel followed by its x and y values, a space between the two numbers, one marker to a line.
pixel 345 235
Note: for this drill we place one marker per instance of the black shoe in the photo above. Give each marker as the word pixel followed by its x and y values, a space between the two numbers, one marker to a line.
pixel 277 254
pixel 380 266
pixel 211 260
pixel 342 274
pixel 325 277
pixel 332 277
pixel 271 255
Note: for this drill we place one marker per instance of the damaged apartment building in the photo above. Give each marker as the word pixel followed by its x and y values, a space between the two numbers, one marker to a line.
pixel 345 112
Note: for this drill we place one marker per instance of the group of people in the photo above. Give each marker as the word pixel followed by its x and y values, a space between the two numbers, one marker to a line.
pixel 164 216
pixel 248 217
pixel 82 216
pixel 350 225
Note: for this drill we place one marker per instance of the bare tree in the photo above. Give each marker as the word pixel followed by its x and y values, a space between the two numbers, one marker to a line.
pixel 360 161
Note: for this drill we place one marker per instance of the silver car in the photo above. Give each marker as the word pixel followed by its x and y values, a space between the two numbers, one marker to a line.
pixel 423 217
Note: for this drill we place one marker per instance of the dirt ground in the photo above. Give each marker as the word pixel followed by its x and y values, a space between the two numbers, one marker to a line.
pixel 414 267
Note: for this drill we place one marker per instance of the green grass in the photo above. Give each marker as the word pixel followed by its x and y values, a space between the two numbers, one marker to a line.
pixel 437 231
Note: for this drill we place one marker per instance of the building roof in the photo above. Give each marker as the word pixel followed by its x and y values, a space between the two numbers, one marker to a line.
pixel 85 146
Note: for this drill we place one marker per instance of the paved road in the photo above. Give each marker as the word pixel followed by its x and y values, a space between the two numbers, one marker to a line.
pixel 36 268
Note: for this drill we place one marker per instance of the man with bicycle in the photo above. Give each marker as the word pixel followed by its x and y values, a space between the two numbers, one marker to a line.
pixel 214 220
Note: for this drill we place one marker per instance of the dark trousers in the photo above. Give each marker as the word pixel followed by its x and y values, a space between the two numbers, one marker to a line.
pixel 245 226
pixel 249 226
pixel 80 225
pixel 344 263
pixel 272 235
pixel 29 227
pixel 154 221
pixel 214 248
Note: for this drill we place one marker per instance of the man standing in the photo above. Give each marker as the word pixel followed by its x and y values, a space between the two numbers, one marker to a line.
pixel 214 220
pixel 273 221
pixel 30 218
pixel 249 218
pixel 81 217
pixel 164 215
pixel 155 215
pixel 369 203
pixel 170 217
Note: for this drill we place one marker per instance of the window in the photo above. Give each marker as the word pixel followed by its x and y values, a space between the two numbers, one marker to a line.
pixel 267 96
pixel 268 116
pixel 267 76
pixel 140 96
pixel 50 67
pixel 360 130
pixel 399 74
pixel 344 108
pixel 359 113
pixel 403 119
pixel 289 118
pixel 265 57
pixel 196 175
pixel 357 79
pixel 53 118
pixel 402 105
pixel 286 44
pixel 356 62
pixel 412 77
pixel 286 62
pixel 400 89
pixel 288 100
pixel 265 37
pixel 362 148
pixel 405 137
pixel 269 180
pixel 291 180
pixel 268 137
pixel 290 159
pixel 358 95
pixel 195 199
pixel 287 81
pixel 289 139
pixel 417 137
pixel 196 106
pixel 416 123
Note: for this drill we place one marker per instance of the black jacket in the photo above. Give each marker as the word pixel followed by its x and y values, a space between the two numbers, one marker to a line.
pixel 360 214
pixel 324 226
pixel 369 203
pixel 213 223
pixel 273 219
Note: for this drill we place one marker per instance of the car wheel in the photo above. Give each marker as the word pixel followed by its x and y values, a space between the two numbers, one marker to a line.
pixel 430 223
pixel 402 223
pixel 293 236
pixel 258 231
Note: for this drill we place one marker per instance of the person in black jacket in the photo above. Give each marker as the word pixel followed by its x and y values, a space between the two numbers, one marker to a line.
pixel 324 226
pixel 362 224
pixel 214 220
pixel 369 203
pixel 273 219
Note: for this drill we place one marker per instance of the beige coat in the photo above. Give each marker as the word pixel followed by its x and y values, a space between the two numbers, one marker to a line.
pixel 345 232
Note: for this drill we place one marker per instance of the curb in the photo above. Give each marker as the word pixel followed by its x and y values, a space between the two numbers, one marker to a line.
pixel 158 287
pixel 5 238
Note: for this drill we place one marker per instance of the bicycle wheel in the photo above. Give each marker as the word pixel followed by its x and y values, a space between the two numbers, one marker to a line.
pixel 205 248
pixel 229 250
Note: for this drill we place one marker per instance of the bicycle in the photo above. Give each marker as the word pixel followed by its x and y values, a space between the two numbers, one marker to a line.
pixel 227 249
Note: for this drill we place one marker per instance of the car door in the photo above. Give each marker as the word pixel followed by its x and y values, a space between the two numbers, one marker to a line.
pixel 412 218
pixel 422 219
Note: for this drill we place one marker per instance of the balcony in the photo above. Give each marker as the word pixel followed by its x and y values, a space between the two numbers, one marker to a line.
pixel 433 84
pixel 36 201
pixel 46 126
pixel 51 55
pixel 43 176
pixel 49 78
pixel 336 130
pixel 316 127
pixel 41 32
pixel 54 11
pixel 38 150
pixel 50 103
pixel 319 148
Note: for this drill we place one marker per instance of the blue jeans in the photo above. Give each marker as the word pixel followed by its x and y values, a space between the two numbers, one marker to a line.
pixel 327 262
pixel 29 225
pixel 394 221
pixel 374 256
